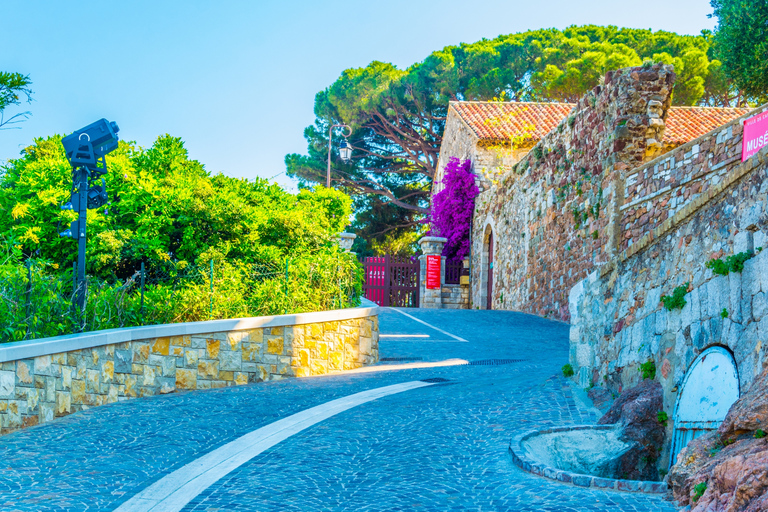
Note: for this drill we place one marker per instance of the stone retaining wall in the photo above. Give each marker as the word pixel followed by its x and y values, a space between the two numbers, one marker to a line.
pixel 618 321
pixel 554 216
pixel 455 296
pixel 44 379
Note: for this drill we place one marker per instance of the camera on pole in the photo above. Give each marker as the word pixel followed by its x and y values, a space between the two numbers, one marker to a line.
pixel 86 150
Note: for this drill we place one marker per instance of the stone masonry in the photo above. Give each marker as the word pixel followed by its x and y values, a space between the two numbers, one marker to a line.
pixel 555 215
pixel 38 389
pixel 618 320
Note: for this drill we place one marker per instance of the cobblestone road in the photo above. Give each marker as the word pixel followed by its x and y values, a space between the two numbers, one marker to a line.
pixel 443 447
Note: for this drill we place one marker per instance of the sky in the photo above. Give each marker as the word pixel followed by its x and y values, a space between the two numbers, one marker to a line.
pixel 236 79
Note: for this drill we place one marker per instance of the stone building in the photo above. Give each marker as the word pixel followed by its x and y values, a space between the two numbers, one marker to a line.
pixel 592 213
pixel 550 180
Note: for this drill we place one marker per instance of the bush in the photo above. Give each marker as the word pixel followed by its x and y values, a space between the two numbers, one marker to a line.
pixel 568 370
pixel 648 369
pixel 734 263
pixel 677 299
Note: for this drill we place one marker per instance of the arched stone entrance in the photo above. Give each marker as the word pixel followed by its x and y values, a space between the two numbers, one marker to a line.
pixel 486 269
pixel 709 388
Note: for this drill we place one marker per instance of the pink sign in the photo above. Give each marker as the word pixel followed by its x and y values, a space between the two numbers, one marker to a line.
pixel 755 135
pixel 433 272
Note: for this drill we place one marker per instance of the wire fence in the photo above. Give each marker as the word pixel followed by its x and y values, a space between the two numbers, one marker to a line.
pixel 36 299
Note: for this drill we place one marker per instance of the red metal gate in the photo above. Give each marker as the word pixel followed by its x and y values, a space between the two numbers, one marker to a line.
pixel 392 280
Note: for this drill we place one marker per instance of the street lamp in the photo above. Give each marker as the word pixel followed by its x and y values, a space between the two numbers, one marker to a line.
pixel 344 149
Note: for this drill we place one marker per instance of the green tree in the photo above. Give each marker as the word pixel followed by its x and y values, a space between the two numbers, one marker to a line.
pixel 13 88
pixel 741 43
pixel 398 116
pixel 164 206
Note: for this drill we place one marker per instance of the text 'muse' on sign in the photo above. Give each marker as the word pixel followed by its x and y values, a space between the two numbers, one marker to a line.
pixel 433 272
pixel 755 135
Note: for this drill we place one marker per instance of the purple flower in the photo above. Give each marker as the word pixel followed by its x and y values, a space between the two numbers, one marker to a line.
pixel 452 208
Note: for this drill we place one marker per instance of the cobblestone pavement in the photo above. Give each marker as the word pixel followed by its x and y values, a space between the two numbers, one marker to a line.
pixel 442 447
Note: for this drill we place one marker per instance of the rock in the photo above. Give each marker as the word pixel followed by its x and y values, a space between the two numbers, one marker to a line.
pixel 601 397
pixel 732 462
pixel 636 409
pixel 748 413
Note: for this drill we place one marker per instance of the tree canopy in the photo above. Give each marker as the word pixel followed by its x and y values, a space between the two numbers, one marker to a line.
pixel 741 43
pixel 14 87
pixel 164 206
pixel 398 116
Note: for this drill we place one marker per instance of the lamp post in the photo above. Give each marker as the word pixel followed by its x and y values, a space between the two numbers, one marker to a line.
pixel 345 150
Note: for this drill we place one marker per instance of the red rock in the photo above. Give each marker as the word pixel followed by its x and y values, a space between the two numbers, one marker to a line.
pixel 636 410
pixel 737 474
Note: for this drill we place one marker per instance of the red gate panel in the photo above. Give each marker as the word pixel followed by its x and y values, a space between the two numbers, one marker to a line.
pixel 392 280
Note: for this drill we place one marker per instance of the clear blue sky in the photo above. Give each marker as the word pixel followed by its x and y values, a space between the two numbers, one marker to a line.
pixel 236 79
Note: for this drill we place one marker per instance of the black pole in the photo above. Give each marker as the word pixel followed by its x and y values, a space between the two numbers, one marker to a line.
pixel 29 297
pixel 141 309
pixel 83 213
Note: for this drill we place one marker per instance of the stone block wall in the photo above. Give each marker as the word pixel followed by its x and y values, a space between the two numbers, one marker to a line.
pixel 455 296
pixel 657 190
pixel 62 379
pixel 555 215
pixel 618 321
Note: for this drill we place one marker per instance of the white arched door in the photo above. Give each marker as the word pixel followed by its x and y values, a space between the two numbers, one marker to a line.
pixel 709 388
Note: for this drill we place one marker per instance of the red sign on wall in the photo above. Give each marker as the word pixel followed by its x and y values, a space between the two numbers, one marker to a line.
pixel 433 272
pixel 755 135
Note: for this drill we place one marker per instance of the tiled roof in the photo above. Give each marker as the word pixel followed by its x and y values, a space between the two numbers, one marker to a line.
pixel 493 120
pixel 687 123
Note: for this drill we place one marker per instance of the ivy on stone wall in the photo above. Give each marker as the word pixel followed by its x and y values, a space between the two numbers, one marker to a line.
pixel 452 208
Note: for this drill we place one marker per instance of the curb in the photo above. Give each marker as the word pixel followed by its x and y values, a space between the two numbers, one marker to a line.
pixel 523 460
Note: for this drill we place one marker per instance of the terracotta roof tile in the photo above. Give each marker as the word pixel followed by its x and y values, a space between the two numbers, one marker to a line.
pixel 687 123
pixel 492 120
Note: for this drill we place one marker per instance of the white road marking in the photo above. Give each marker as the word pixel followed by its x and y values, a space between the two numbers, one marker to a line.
pixel 428 325
pixel 403 335
pixel 172 492
pixel 408 366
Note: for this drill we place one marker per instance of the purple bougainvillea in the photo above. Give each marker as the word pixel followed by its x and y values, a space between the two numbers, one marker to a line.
pixel 452 208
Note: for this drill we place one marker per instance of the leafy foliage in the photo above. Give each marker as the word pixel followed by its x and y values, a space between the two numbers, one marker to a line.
pixel 662 418
pixel 741 43
pixel 398 116
pixel 698 491
pixel 677 299
pixel 648 369
pixel 733 263
pixel 453 206
pixel 169 213
pixel 567 370
pixel 13 87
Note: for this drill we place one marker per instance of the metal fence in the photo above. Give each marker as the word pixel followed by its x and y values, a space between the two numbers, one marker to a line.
pixel 36 299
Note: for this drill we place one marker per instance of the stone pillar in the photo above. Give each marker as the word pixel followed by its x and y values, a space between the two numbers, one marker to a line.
pixel 430 246
pixel 346 240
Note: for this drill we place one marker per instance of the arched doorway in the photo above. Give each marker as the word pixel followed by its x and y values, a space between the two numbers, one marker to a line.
pixel 709 388
pixel 489 297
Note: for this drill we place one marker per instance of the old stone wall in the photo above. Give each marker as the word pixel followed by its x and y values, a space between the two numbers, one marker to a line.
pixel 49 378
pixel 659 189
pixel 455 296
pixel 555 215
pixel 617 319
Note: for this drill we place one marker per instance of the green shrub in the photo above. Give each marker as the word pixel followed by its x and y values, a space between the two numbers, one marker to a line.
pixel 677 299
pixel 662 417
pixel 734 263
pixel 648 369
pixel 724 313
pixel 568 370
pixel 759 434
pixel 698 491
